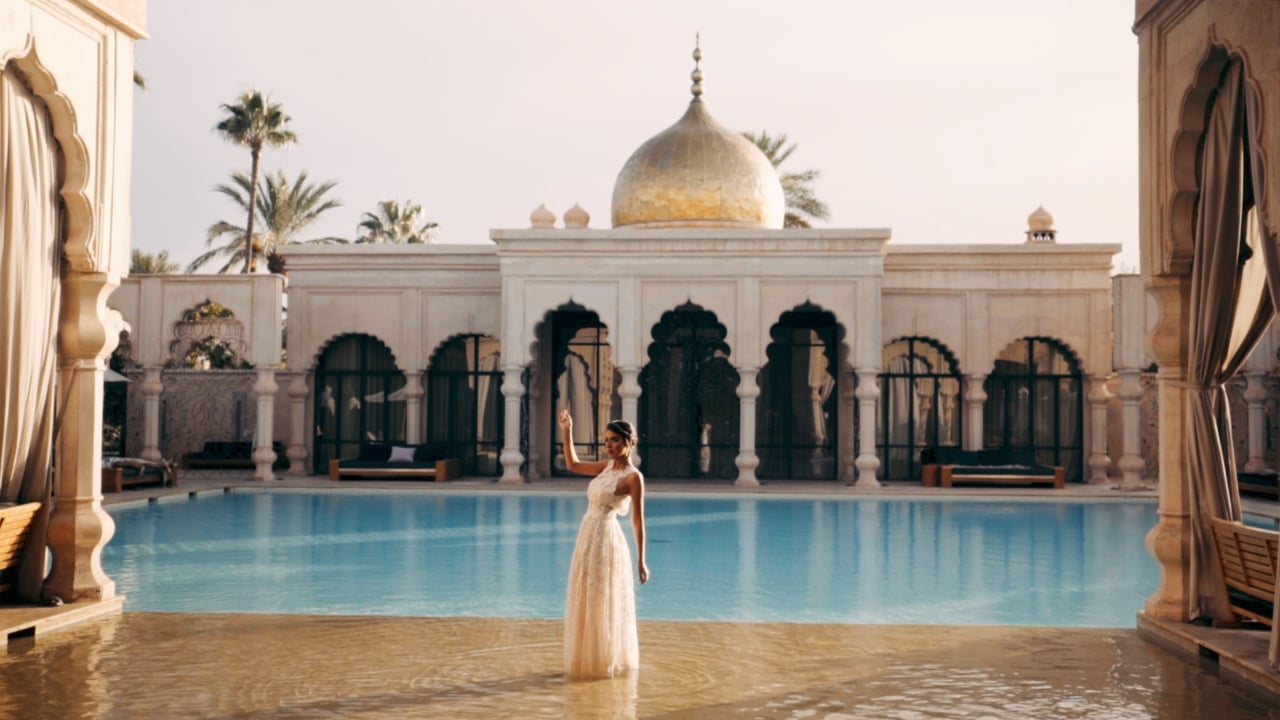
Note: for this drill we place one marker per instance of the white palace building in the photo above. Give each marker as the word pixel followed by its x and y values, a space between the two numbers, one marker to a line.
pixel 742 351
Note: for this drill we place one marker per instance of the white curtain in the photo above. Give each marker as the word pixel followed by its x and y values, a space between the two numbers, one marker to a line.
pixel 30 248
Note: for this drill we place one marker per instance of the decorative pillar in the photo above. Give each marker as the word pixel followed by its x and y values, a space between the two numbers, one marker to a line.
pixel 1099 463
pixel 629 391
pixel 78 526
pixel 152 386
pixel 1130 464
pixel 867 393
pixel 1169 542
pixel 747 460
pixel 297 452
pixel 1255 397
pixel 511 457
pixel 975 400
pixel 413 408
pixel 264 453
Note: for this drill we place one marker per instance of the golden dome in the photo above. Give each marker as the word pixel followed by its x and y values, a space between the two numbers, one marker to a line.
pixel 698 173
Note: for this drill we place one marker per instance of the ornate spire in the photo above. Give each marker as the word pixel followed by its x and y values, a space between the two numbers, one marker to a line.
pixel 697 72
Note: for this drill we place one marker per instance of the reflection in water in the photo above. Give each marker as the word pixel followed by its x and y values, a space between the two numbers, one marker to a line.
pixel 607 699
pixel 143 666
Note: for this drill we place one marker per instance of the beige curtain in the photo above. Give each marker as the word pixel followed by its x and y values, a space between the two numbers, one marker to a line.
pixel 1230 309
pixel 1271 254
pixel 30 249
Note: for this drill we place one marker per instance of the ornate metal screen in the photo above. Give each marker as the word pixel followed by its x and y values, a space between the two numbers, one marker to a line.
pixel 359 398
pixel 465 404
pixel 1035 400
pixel 583 381
pixel 920 405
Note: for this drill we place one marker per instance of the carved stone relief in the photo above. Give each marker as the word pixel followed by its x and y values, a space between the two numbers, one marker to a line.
pixel 1149 431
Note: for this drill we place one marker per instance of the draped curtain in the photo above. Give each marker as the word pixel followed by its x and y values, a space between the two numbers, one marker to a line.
pixel 30 251
pixel 1230 309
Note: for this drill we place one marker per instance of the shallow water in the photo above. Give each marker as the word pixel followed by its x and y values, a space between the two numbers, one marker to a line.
pixel 158 665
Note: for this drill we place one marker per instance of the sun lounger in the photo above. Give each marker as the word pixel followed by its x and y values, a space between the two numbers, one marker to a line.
pixel 1248 559
pixel 15 528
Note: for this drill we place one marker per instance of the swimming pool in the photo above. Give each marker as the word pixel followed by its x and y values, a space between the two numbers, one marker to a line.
pixel 724 557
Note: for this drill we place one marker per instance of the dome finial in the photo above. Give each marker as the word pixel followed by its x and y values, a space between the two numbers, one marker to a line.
pixel 697 72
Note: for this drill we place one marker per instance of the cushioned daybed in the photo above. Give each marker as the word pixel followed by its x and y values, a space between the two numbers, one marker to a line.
pixel 231 455
pixel 947 466
pixel 382 460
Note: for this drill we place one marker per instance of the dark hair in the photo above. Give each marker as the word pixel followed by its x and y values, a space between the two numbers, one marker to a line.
pixel 623 429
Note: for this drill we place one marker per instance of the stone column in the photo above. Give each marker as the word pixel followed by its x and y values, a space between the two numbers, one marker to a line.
pixel 867 393
pixel 78 526
pixel 747 460
pixel 1170 540
pixel 629 392
pixel 264 454
pixel 413 393
pixel 1130 464
pixel 1099 462
pixel 1255 397
pixel 975 400
pixel 152 387
pixel 511 457
pixel 297 452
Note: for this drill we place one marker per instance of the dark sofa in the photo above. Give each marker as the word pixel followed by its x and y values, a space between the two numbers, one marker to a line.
pixel 947 466
pixel 231 455
pixel 398 460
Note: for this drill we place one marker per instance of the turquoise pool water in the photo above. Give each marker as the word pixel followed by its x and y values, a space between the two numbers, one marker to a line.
pixel 740 558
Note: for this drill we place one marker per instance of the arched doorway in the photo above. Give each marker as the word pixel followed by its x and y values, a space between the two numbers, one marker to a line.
pixel 796 428
pixel 920 405
pixel 359 399
pixel 464 402
pixel 583 381
pixel 1035 401
pixel 689 405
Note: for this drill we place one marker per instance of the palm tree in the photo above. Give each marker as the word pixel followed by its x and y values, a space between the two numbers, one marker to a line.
pixel 143 263
pixel 394 224
pixel 287 210
pixel 254 122
pixel 796 186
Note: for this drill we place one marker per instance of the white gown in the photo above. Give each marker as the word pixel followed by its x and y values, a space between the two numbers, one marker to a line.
pixel 600 606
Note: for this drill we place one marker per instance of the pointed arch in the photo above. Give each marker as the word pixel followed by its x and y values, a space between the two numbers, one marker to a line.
pixel 921 404
pixel 797 418
pixel 688 408
pixel 359 398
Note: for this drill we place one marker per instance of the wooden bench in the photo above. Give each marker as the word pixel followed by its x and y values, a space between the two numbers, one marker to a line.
pixel 947 478
pixel 1248 559
pixel 442 471
pixel 15 528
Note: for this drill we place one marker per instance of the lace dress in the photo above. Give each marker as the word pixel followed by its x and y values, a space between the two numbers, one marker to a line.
pixel 600 606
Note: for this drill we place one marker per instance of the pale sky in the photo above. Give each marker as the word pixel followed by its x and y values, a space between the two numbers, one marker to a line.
pixel 945 121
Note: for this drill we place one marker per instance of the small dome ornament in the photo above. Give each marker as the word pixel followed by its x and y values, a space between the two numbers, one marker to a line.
pixel 542 217
pixel 1040 227
pixel 576 218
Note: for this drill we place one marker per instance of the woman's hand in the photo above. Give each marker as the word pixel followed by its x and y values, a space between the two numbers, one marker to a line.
pixel 566 422
pixel 643 572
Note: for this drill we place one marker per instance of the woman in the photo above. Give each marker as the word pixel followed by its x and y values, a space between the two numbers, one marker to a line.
pixel 600 608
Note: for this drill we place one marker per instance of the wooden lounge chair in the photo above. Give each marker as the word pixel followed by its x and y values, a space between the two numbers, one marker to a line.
pixel 15 528
pixel 1248 559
